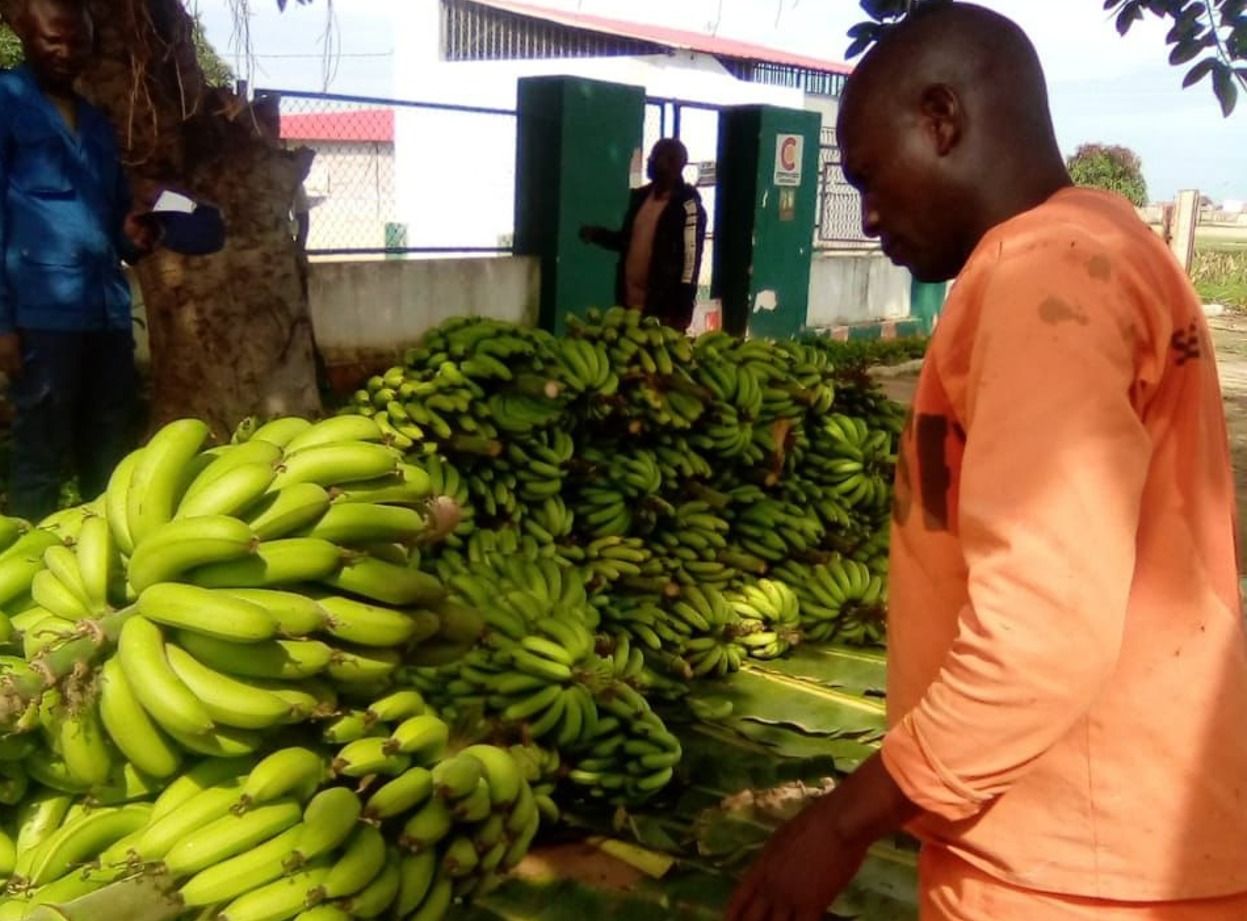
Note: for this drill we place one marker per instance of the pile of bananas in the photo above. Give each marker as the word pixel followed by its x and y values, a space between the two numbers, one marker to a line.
pixel 650 461
pixel 545 674
pixel 202 681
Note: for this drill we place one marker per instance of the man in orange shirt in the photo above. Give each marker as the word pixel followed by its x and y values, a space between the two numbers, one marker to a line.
pixel 1067 662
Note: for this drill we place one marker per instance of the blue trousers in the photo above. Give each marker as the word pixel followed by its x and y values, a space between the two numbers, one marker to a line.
pixel 75 402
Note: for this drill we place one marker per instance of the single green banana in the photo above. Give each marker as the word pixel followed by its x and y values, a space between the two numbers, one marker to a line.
pixel 384 582
pixel 276 901
pixel 288 660
pixel 336 464
pixel 335 429
pixel 83 745
pixel 355 523
pixel 288 771
pixel 370 755
pixel 427 826
pixel 183 545
pixel 202 776
pixel 425 737
pixel 83 839
pixel 229 836
pixel 362 860
pixel 98 562
pixel 229 701
pixel 232 493
pixel 281 431
pixel 141 652
pixel 201 610
pixel 157 477
pixel 380 894
pixel 239 875
pixel 116 501
pixel 328 821
pixel 296 615
pixel 274 563
pixel 372 625
pixel 198 810
pixel 417 873
pixel 406 792
pixel 289 510
pixel 219 461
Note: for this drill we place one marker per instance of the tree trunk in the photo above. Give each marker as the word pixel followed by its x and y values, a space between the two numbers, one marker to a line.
pixel 230 333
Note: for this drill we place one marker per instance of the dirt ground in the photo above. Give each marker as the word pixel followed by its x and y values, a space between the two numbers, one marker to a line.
pixel 1229 333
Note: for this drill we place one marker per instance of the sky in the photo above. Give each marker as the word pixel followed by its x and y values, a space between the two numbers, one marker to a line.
pixel 1104 88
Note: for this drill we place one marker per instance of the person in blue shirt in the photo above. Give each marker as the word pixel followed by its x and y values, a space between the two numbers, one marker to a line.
pixel 66 224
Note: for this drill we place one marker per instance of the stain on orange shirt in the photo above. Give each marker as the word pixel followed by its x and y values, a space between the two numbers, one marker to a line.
pixel 1067 664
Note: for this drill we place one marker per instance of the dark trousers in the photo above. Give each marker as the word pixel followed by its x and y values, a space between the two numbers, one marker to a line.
pixel 75 402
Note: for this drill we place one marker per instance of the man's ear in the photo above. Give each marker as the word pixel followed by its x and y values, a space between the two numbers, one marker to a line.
pixel 943 116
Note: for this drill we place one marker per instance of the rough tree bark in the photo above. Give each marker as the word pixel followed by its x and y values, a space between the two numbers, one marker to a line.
pixel 230 333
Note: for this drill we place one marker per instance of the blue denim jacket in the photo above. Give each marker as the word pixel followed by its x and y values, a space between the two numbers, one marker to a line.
pixel 65 198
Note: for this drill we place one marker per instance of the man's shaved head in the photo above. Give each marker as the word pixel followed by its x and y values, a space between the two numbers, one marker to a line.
pixel 57 37
pixel 946 130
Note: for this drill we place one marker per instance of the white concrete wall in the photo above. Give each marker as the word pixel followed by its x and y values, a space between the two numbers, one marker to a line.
pixel 362 310
pixel 372 309
pixel 849 287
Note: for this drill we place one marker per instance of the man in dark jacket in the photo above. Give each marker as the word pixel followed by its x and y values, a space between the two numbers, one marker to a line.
pixel 661 242
pixel 65 225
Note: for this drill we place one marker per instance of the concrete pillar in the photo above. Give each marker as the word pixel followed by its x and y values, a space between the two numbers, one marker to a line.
pixel 1185 218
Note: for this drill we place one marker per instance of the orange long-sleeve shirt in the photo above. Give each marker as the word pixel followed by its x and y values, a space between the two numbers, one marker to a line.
pixel 1067 662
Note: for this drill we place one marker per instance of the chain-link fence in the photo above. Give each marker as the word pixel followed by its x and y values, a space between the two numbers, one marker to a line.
pixel 395 177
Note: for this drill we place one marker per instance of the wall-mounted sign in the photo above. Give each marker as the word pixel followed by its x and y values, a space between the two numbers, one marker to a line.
pixel 789 149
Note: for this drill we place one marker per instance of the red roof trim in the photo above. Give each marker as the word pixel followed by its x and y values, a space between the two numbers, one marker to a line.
pixel 374 126
pixel 672 38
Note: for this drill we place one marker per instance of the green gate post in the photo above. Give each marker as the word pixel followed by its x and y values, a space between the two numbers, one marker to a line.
pixel 576 142
pixel 764 221
pixel 926 301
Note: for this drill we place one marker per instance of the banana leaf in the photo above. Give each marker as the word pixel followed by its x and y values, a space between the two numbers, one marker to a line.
pixel 766 696
pixel 859 671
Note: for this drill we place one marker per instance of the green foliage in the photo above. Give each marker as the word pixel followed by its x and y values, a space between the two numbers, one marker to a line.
pixel 1114 168
pixel 10 48
pixel 216 71
pixel 1214 31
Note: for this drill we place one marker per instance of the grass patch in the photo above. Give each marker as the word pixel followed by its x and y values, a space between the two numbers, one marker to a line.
pixel 1220 276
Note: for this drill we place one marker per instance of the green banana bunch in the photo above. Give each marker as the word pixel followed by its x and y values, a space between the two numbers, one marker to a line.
pixel 773 612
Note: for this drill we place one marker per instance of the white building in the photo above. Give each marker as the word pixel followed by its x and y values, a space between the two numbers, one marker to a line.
pixel 456 169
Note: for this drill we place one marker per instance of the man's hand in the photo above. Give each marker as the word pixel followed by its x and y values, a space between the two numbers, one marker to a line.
pixel 142 230
pixel 809 862
pixel 802 870
pixel 11 354
pixel 589 234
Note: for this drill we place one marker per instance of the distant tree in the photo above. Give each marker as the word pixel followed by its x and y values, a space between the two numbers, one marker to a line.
pixel 1106 166
pixel 216 71
pixel 10 48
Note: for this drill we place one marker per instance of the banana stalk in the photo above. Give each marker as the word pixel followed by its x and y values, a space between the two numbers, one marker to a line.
pixel 18 690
